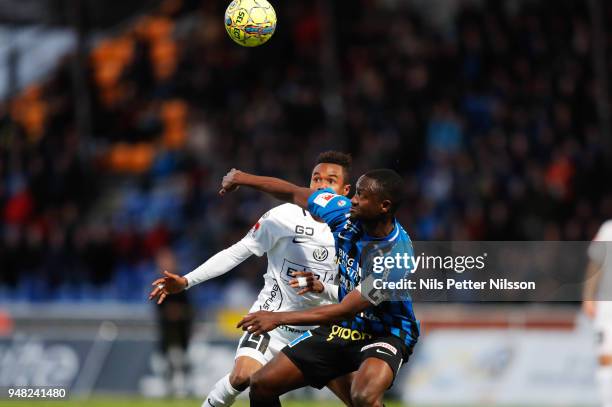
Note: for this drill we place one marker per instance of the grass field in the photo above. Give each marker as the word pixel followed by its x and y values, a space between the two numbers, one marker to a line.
pixel 137 402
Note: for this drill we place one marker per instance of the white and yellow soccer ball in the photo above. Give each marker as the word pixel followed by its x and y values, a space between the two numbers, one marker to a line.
pixel 250 23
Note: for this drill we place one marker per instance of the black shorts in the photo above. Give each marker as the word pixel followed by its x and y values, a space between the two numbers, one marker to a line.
pixel 329 352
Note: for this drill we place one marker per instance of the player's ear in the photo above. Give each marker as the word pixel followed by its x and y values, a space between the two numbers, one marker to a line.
pixel 386 206
pixel 346 190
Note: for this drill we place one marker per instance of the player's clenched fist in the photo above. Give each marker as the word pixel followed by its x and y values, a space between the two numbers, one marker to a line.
pixel 259 322
pixel 230 181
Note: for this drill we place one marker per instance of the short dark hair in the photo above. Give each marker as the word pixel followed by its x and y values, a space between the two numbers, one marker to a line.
pixel 389 185
pixel 344 160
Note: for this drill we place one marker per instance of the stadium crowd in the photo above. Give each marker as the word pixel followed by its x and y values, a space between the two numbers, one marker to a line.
pixel 491 119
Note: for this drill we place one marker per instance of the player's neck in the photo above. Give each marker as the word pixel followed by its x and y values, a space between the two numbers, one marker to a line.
pixel 380 228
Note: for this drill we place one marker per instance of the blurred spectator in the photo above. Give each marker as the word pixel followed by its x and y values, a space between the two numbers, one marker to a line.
pixel 175 317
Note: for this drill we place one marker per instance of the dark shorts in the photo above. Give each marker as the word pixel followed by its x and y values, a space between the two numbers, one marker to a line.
pixel 329 352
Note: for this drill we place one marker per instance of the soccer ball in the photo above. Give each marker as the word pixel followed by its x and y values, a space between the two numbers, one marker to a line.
pixel 250 23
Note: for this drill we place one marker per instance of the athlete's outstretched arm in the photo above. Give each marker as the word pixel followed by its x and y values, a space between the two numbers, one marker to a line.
pixel 217 265
pixel 278 188
pixel 264 321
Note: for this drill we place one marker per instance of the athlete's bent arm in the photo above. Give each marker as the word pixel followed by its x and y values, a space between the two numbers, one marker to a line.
pixel 264 321
pixel 278 188
pixel 328 291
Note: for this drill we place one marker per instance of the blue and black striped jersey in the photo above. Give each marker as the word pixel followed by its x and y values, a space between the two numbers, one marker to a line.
pixel 389 317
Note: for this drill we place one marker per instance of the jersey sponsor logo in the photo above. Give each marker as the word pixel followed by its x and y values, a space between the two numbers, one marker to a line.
pixel 274 300
pixel 302 233
pixel 323 199
pixel 383 345
pixel 289 267
pixel 291 330
pixel 300 338
pixel 320 254
pixel 304 230
pixel 347 334
pixel 351 266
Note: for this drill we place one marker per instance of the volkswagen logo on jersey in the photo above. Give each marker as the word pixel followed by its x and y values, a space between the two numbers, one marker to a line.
pixel 320 254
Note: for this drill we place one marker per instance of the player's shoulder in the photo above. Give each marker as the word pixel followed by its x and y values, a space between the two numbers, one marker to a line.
pixel 287 212
pixel 605 231
pixel 402 234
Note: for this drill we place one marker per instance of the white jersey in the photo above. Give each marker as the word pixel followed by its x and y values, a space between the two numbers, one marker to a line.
pixel 293 241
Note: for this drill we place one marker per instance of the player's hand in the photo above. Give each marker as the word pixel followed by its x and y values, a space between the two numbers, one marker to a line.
pixel 230 182
pixel 169 284
pixel 589 308
pixel 259 322
pixel 310 282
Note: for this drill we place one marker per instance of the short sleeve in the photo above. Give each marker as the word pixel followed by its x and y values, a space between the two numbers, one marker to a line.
pixel 331 207
pixel 264 234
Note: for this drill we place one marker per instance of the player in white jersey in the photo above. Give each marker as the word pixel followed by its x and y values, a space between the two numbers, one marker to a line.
pixel 598 305
pixel 293 242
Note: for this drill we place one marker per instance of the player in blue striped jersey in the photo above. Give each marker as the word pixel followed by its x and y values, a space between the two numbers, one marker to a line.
pixel 359 334
pixel 390 317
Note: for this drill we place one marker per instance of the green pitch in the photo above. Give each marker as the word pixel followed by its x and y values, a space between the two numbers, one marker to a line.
pixel 139 402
